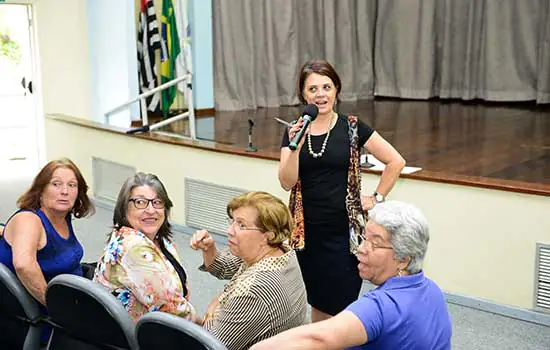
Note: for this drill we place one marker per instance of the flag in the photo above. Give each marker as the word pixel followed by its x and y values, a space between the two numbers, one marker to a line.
pixel 148 43
pixel 183 61
pixel 168 56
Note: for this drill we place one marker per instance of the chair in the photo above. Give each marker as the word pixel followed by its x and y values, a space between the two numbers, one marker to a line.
pixel 20 314
pixel 84 315
pixel 88 270
pixel 160 330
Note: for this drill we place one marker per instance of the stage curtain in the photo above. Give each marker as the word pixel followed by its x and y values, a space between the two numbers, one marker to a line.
pixel 259 47
pixel 418 49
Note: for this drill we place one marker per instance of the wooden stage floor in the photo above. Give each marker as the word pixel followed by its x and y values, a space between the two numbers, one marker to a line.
pixel 485 141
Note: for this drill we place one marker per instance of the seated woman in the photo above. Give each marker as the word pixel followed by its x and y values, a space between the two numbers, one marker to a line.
pixel 266 294
pixel 38 241
pixel 140 264
pixel 406 311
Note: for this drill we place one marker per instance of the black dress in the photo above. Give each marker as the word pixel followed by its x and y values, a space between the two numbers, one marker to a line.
pixel 329 269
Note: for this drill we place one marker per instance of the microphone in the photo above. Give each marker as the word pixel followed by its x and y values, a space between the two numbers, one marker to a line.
pixel 308 115
pixel 250 148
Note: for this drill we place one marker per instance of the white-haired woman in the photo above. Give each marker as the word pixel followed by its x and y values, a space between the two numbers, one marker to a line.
pixel 406 311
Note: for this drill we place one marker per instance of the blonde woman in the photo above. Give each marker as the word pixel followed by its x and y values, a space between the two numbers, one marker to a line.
pixel 265 294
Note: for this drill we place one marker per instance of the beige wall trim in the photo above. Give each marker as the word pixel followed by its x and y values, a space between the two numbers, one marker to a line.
pixel 526 315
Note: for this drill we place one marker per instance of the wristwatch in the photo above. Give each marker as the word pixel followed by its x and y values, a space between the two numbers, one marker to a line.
pixel 378 197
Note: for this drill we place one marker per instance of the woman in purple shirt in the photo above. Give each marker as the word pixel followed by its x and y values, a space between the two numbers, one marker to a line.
pixel 406 311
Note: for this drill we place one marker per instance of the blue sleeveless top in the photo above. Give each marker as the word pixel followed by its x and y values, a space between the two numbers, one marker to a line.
pixel 58 256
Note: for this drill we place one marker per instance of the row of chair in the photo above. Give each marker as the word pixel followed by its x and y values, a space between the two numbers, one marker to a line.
pixel 85 316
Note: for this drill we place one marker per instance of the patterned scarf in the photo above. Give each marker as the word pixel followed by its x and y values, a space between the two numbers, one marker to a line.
pixel 356 216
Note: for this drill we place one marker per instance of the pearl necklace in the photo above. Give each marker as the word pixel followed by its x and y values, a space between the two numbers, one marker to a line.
pixel 324 146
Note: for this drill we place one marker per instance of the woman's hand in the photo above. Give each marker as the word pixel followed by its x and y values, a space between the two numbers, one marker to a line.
pixel 202 240
pixel 367 202
pixel 293 130
pixel 212 308
pixel 213 304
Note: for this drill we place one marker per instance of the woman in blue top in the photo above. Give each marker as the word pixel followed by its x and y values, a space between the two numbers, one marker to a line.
pixel 38 242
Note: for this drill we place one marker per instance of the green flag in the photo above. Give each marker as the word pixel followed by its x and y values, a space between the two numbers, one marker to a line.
pixel 168 56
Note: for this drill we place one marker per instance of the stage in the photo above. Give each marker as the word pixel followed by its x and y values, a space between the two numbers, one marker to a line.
pixel 492 145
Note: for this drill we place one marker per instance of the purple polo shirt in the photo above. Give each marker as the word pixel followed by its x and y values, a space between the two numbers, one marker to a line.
pixel 407 312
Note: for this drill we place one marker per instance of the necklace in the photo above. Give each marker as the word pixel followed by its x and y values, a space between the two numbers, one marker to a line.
pixel 324 146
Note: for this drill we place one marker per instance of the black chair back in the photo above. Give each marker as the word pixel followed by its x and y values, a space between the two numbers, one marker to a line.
pixel 84 315
pixel 160 330
pixel 20 315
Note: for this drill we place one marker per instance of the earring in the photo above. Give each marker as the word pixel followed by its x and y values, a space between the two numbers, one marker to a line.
pixel 400 272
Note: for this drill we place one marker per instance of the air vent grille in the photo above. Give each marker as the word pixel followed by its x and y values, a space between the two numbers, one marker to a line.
pixel 542 278
pixel 205 205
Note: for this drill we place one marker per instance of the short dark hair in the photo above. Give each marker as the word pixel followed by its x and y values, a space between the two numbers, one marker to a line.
pixel 321 67
pixel 120 215
pixel 31 198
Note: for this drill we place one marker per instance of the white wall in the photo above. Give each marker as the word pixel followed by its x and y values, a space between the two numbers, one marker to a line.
pixel 482 241
pixel 64 61
pixel 111 29
pixel 88 57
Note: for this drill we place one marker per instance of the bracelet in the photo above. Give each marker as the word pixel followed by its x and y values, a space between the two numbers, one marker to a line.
pixel 373 201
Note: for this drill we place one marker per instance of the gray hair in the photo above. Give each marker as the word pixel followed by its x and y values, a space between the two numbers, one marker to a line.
pixel 408 229
pixel 120 215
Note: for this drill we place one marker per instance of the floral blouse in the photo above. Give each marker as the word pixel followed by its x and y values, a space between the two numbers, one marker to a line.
pixel 137 273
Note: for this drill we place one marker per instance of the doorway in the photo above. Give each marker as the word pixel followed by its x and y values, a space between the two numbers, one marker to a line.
pixel 19 127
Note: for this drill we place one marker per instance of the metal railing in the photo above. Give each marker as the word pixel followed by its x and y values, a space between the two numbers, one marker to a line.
pixel 190 114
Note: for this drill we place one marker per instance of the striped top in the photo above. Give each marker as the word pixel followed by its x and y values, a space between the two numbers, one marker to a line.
pixel 260 301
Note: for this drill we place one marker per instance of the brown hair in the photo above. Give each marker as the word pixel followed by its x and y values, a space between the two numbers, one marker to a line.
pixel 321 67
pixel 273 216
pixel 31 198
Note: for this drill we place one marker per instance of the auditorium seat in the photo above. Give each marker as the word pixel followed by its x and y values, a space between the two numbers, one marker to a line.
pixel 86 316
pixel 160 330
pixel 20 315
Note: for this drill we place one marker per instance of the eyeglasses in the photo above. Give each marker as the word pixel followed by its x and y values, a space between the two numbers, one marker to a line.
pixel 142 203
pixel 240 226
pixel 372 246
pixel 58 185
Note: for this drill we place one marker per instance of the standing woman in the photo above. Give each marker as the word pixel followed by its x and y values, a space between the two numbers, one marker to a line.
pixel 324 177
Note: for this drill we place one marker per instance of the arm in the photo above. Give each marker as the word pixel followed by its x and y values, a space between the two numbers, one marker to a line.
pixel 387 154
pixel 148 280
pixel 208 257
pixel 289 161
pixel 26 236
pixel 288 168
pixel 239 321
pixel 224 266
pixel 341 331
